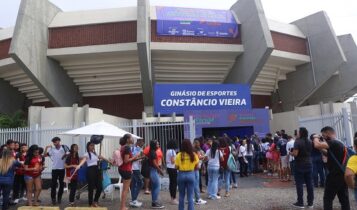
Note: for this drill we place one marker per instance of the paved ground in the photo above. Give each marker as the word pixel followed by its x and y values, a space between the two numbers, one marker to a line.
pixel 255 192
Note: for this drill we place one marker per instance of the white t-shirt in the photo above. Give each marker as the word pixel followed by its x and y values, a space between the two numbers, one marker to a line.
pixel 136 165
pixel 251 150
pixel 242 151
pixel 170 153
pixel 93 161
pixel 56 156
pixel 289 146
pixel 214 162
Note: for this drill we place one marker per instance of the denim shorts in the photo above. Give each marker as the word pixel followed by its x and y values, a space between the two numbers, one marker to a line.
pixel 28 178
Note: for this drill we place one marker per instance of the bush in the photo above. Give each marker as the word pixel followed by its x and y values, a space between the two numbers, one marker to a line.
pixel 14 121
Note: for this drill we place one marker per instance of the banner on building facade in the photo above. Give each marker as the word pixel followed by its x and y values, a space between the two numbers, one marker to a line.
pixel 178 98
pixel 178 21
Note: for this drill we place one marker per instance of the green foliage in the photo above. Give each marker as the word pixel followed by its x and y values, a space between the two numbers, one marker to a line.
pixel 14 121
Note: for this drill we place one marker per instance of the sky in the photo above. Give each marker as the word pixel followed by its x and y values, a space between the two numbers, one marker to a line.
pixel 342 13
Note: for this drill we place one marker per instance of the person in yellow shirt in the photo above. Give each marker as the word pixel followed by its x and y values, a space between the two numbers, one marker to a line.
pixel 351 171
pixel 186 162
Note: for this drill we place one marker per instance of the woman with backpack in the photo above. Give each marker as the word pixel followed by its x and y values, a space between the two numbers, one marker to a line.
pixel 70 165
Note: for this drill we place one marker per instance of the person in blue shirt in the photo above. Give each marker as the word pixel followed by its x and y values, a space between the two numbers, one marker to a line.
pixel 8 165
pixel 317 166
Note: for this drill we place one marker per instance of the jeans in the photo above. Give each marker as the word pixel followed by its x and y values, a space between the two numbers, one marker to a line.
pixel 242 167
pixel 335 185
pixel 318 170
pixel 173 181
pixel 303 174
pixel 5 190
pixel 250 164
pixel 186 181
pixel 73 189
pixel 94 181
pixel 197 185
pixel 57 174
pixel 155 185
pixel 225 179
pixel 233 177
pixel 136 184
pixel 213 175
pixel 19 187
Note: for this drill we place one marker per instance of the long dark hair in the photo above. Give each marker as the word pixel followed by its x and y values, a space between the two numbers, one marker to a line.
pixel 30 152
pixel 214 148
pixel 222 142
pixel 124 140
pixel 303 133
pixel 153 148
pixel 87 147
pixel 73 153
pixel 186 147
pixel 172 144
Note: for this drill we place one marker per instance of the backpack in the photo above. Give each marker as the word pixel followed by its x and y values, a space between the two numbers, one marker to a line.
pixel 231 162
pixel 118 159
pixel 347 153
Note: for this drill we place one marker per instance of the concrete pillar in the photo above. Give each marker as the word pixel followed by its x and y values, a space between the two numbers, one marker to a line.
pixel 11 100
pixel 326 58
pixel 144 52
pixel 342 85
pixel 29 50
pixel 257 41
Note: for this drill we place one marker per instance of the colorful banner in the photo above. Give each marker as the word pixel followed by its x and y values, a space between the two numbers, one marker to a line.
pixel 257 118
pixel 178 98
pixel 178 21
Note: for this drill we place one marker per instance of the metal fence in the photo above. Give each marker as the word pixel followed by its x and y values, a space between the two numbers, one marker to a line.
pixel 162 131
pixel 343 122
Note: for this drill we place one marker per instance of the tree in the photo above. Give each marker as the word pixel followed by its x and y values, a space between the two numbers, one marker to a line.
pixel 14 121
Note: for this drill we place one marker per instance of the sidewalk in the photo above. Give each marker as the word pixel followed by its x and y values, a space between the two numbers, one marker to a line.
pixel 253 193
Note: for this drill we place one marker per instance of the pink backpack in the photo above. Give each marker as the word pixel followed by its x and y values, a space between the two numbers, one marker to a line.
pixel 118 159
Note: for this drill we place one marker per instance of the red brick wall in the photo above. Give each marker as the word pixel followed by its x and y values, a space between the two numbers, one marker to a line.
pixel 128 106
pixel 191 39
pixel 97 34
pixel 288 43
pixel 4 48
pixel 261 101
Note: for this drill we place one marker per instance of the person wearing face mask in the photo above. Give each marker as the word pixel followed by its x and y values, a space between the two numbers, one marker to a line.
pixel 335 183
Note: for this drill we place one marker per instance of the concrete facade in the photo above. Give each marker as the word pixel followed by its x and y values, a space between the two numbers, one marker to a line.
pixel 343 85
pixel 326 58
pixel 29 50
pixel 11 100
pixel 257 41
pixel 144 53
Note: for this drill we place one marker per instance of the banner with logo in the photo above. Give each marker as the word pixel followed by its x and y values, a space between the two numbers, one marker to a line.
pixel 178 98
pixel 178 21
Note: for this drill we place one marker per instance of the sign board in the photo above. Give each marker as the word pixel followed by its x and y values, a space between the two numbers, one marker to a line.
pixel 178 98
pixel 178 21
pixel 257 118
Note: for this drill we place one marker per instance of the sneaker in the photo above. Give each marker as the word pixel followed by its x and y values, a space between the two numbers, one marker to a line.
pixel 16 201
pixel 157 206
pixel 235 186
pixel 24 198
pixel 136 204
pixel 174 202
pixel 218 197
pixel 297 205
pixel 200 202
pixel 227 194
pixel 310 206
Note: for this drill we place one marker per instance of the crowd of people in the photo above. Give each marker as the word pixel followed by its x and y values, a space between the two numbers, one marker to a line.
pixel 318 160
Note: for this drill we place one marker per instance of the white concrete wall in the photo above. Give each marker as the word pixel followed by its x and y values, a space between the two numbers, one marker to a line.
pixel 286 120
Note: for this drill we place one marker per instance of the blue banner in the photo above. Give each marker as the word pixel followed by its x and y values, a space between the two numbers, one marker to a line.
pixel 178 21
pixel 178 98
pixel 258 119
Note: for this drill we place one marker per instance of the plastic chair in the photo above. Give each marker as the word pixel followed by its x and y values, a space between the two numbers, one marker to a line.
pixel 119 185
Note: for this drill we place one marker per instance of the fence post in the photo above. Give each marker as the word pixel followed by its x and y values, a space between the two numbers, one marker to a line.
pixel 35 135
pixel 135 127
pixel 192 128
pixel 347 128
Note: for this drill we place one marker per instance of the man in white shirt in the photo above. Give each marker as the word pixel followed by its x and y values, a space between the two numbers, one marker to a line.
pixel 289 149
pixel 58 154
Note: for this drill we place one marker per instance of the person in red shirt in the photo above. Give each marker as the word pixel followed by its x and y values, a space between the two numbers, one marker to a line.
pixel 70 165
pixel 33 168
pixel 125 170
pixel 19 180
pixel 225 176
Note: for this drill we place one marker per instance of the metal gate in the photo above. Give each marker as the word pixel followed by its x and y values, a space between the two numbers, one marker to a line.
pixel 342 122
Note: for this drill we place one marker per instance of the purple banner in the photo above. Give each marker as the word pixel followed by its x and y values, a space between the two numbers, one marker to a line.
pixel 256 118
pixel 178 21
